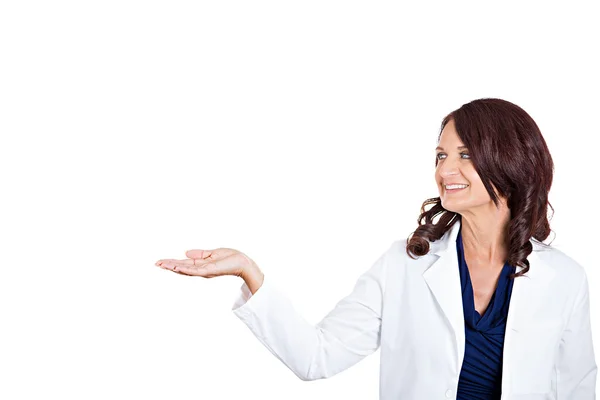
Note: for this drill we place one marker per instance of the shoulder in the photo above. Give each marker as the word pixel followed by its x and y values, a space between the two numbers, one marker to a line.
pixel 558 259
pixel 566 269
pixel 397 250
pixel 399 258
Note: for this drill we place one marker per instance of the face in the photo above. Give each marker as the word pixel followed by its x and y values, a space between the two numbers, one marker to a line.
pixel 454 166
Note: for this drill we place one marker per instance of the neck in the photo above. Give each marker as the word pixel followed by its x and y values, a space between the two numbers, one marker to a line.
pixel 485 236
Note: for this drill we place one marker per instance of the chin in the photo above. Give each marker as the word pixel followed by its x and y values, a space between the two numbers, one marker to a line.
pixel 450 208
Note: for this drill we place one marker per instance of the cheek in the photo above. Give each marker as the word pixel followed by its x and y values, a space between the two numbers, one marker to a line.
pixel 473 178
pixel 479 191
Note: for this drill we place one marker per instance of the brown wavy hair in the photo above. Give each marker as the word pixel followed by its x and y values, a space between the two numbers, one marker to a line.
pixel 508 152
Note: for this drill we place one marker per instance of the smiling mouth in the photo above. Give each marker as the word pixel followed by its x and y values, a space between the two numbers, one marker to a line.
pixel 455 190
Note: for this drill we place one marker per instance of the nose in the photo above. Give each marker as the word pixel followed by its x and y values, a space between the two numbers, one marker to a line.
pixel 448 168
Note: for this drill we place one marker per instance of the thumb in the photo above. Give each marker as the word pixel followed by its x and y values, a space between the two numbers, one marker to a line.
pixel 197 253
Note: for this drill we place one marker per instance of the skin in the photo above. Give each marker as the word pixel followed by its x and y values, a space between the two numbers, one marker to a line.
pixel 484 226
pixel 216 262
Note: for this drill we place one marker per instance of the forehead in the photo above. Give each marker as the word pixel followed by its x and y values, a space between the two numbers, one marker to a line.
pixel 449 137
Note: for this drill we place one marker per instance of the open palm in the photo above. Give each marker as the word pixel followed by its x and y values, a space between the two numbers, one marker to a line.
pixel 208 263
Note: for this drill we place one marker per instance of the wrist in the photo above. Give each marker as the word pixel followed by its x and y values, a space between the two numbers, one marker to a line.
pixel 253 277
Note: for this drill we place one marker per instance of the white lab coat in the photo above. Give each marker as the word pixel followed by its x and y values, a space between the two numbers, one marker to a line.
pixel 412 310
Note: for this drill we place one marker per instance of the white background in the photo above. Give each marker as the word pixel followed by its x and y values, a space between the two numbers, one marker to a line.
pixel 301 133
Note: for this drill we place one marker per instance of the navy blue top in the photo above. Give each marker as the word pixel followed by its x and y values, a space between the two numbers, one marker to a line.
pixel 481 374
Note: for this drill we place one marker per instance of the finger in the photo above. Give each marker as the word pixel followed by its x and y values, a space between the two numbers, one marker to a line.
pixel 221 252
pixel 181 273
pixel 164 265
pixel 169 265
pixel 192 270
pixel 187 261
pixel 197 253
pixel 204 270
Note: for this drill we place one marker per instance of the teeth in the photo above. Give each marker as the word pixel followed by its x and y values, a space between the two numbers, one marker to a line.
pixel 456 186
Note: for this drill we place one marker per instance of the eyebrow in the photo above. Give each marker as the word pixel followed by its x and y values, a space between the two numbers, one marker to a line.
pixel 458 148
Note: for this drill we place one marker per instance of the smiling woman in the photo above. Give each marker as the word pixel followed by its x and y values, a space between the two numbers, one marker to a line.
pixel 444 305
pixel 508 169
pixel 494 171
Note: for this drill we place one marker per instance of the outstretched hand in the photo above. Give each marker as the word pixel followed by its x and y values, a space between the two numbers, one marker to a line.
pixel 209 263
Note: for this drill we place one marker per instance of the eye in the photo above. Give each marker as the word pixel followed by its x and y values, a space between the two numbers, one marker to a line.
pixel 462 154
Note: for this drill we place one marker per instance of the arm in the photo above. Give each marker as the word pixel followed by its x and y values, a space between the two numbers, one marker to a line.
pixel 347 334
pixel 576 369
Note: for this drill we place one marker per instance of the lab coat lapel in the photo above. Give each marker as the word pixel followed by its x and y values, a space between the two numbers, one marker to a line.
pixel 527 290
pixel 526 298
pixel 443 279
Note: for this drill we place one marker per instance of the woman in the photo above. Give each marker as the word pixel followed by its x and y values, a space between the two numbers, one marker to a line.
pixel 471 306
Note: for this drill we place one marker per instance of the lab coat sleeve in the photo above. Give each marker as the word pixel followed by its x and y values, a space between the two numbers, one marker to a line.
pixel 347 334
pixel 576 369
